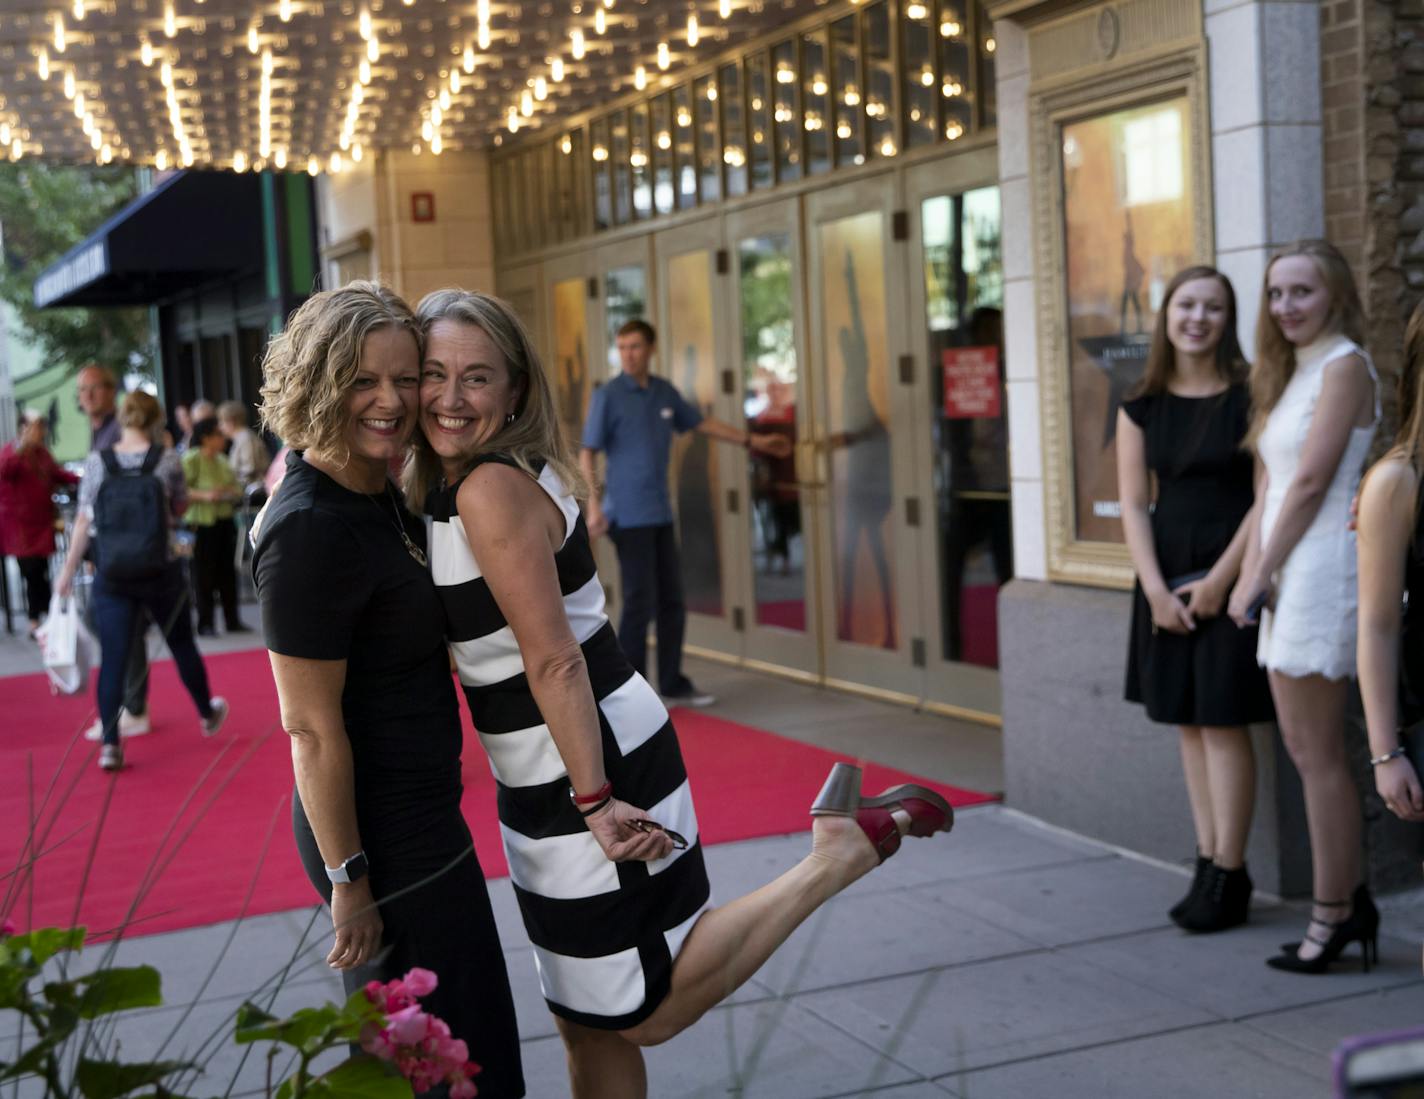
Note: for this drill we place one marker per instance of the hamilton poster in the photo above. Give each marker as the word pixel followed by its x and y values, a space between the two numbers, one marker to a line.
pixel 1127 215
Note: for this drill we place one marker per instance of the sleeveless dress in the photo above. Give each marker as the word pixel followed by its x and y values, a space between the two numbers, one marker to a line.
pixel 1204 491
pixel 1411 634
pixel 1311 631
pixel 604 934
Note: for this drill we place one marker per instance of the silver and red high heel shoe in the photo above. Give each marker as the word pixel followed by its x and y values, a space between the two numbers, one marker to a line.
pixel 927 811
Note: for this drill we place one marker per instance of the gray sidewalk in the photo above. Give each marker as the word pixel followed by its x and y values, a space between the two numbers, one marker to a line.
pixel 1007 959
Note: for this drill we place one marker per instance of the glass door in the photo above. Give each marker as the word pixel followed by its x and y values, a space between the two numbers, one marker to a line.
pixel 702 471
pixel 861 445
pixel 777 557
pixel 960 425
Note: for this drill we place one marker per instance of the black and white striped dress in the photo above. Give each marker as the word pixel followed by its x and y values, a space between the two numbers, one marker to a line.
pixel 604 934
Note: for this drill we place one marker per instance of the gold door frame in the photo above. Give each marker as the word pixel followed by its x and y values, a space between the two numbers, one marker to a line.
pixel 1083 66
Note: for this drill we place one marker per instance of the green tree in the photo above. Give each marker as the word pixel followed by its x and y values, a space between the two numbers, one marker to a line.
pixel 44 211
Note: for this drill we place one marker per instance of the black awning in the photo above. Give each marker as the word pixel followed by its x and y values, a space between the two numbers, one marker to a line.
pixel 192 228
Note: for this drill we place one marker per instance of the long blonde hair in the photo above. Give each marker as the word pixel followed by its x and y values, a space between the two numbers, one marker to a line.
pixel 535 435
pixel 312 363
pixel 1275 355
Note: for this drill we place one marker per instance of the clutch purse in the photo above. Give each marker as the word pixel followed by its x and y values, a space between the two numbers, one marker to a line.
pixel 1186 578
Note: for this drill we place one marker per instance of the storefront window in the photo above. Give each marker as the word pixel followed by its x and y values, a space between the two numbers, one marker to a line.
pixel 759 122
pixel 625 298
pixel 602 190
pixel 619 153
pixel 919 87
pixel 879 80
pixel 685 147
pixel 709 141
pixel 770 384
pixel 955 61
pixel 816 97
pixel 785 116
pixel 640 161
pixel 567 162
pixel 664 192
pixel 734 131
pixel 964 293
pixel 849 97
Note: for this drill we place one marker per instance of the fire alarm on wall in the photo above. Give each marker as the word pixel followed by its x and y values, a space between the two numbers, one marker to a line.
pixel 422 206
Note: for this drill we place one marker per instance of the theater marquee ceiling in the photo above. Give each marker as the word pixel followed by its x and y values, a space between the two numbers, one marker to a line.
pixel 247 84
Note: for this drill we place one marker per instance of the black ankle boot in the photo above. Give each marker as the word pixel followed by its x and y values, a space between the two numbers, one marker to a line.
pixel 1199 876
pixel 1224 902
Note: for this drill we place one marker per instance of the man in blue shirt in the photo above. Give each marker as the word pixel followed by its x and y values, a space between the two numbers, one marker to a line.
pixel 632 420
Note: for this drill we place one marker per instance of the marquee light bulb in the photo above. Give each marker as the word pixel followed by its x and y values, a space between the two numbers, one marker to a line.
pixel 187 154
pixel 640 78
pixel 724 8
pixel 69 84
pixel 427 130
pixel 600 20
pixel 160 160
pixel 526 103
pixel 170 21
pixel 279 159
pixel 239 161
pixel 312 166
pixel 42 65
pixel 78 10
pixel 454 82
pixel 437 116
pixel 357 153
pixel 576 43
pixel 664 56
pixel 566 145
pixel 4 133
pixel 556 69
pixel 482 36
pixel 469 59
pixel 373 50
pixel 268 64
pixel 513 120
pixel 694 32
pixel 165 75
pixel 363 23
pixel 17 149
pixel 59 38
pixel 363 71
pixel 284 10
pixel 79 109
pixel 443 100
pixel 436 145
pixel 541 89
pixel 145 52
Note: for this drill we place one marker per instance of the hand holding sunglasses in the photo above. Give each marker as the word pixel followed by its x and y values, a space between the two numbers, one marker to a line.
pixel 643 824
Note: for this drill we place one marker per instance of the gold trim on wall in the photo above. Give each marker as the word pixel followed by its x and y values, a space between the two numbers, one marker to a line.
pixel 1149 74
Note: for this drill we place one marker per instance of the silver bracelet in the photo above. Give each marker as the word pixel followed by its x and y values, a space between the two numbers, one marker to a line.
pixel 1393 753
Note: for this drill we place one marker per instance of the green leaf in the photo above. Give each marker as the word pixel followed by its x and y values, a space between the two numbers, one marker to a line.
pixel 361 1078
pixel 107 1080
pixel 118 989
pixel 310 1029
pixel 44 943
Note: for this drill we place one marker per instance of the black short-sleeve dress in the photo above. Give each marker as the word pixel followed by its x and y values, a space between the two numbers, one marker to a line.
pixel 1204 490
pixel 336 582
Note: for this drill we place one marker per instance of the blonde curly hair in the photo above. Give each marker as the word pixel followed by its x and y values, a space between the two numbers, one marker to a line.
pixel 312 363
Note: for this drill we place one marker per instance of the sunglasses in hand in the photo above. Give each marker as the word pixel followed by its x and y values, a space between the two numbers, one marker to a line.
pixel 645 825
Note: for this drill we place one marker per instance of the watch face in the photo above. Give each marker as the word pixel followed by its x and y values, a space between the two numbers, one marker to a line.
pixel 356 867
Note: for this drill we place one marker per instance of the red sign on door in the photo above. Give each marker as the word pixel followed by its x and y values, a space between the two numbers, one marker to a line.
pixel 971 383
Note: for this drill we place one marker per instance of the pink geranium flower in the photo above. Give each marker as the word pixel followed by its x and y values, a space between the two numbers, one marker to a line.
pixel 418 1044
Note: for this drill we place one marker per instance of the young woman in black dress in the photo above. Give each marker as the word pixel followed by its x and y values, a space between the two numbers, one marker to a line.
pixel 355 632
pixel 1187 662
pixel 1390 539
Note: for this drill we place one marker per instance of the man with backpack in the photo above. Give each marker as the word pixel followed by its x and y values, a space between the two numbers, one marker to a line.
pixel 130 497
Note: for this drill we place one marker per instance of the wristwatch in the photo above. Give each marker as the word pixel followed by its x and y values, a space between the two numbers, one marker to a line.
pixel 353 869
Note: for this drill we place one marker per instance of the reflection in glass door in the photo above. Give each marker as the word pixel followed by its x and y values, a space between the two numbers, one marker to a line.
pixel 770 383
pixel 854 342
pixel 625 299
pixel 964 285
pixel 571 376
pixel 688 353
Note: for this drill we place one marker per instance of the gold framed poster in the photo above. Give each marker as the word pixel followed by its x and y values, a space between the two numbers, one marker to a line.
pixel 1123 203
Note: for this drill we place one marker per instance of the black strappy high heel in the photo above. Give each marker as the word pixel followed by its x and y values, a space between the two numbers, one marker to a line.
pixel 1361 925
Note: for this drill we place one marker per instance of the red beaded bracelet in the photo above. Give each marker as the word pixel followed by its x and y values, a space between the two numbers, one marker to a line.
pixel 603 793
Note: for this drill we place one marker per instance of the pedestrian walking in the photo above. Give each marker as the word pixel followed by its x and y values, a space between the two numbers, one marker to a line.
pixel 1390 650
pixel 97 391
pixel 632 420
pixel 29 476
pixel 1190 665
pixel 1315 407
pixel 131 495
pixel 246 453
pixel 356 639
pixel 213 492
pixel 629 950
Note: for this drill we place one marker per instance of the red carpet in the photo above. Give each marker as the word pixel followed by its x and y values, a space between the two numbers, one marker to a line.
pixel 198 831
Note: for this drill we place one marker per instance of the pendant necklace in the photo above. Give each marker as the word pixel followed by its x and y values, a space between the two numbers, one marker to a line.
pixel 410 547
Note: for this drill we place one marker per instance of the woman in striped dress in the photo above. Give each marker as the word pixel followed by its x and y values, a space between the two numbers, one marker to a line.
pixel 628 947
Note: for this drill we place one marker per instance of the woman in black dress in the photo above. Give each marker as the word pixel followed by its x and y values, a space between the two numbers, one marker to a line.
pixel 1187 661
pixel 1391 547
pixel 354 629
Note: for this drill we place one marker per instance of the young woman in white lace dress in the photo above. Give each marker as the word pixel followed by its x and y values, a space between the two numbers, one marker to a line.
pixel 1316 407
